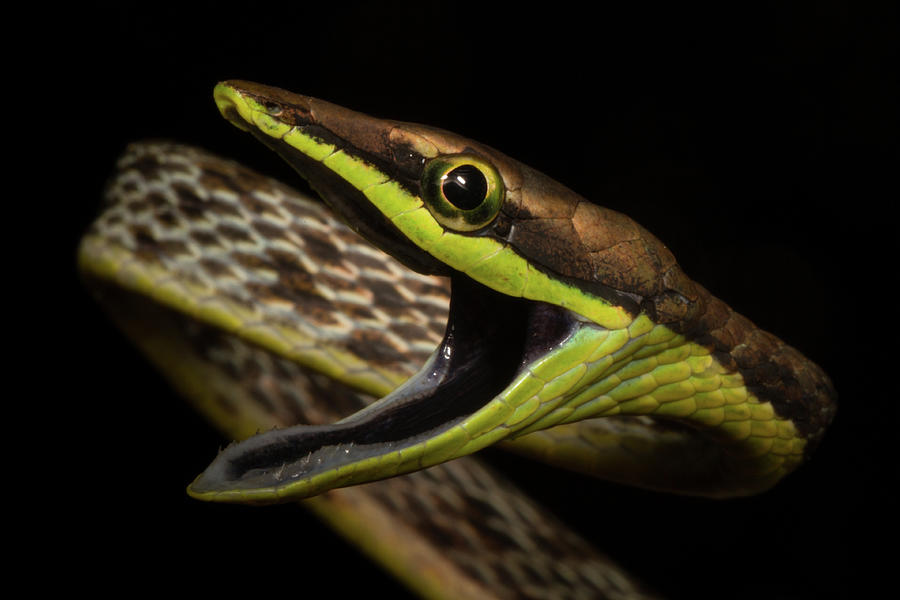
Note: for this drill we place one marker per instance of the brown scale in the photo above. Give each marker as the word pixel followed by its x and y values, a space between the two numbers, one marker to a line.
pixel 328 276
pixel 374 347
pixel 322 248
pixel 218 207
pixel 364 261
pixel 256 206
pixel 303 212
pixel 268 230
pixel 357 312
pixel 206 239
pixel 234 234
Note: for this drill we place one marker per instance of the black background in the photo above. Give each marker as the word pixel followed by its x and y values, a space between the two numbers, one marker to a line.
pixel 756 142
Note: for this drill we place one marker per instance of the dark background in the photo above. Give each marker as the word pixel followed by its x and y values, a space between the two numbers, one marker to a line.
pixel 759 143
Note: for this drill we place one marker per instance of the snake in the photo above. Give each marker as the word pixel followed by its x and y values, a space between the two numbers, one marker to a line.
pixel 443 299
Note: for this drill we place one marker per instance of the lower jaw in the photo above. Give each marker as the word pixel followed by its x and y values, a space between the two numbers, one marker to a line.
pixel 490 338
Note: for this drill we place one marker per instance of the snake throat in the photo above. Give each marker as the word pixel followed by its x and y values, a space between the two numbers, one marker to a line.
pixel 490 339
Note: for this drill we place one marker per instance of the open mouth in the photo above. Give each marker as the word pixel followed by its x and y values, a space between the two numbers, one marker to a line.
pixel 489 339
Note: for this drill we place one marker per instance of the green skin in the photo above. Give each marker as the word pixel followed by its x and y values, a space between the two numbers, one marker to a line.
pixel 644 340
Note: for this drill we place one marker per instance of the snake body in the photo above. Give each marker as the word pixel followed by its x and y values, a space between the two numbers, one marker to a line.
pixel 620 365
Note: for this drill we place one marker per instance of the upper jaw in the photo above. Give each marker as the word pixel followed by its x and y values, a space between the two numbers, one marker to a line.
pixel 375 141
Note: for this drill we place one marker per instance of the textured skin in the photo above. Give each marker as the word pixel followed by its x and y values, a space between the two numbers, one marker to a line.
pixel 454 531
pixel 215 239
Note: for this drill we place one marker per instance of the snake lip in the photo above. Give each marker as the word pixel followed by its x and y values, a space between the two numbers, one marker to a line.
pixel 489 339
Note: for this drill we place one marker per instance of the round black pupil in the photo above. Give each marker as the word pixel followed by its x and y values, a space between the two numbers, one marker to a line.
pixel 464 187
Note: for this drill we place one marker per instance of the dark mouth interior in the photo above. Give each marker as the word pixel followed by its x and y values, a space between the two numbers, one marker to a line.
pixel 490 337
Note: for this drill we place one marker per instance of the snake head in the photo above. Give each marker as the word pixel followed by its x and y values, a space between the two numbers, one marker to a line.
pixel 561 311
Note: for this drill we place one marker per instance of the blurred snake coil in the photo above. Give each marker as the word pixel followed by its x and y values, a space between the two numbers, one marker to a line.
pixel 446 299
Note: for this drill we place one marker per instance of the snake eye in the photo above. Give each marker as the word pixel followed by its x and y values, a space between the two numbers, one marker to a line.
pixel 462 191
pixel 465 187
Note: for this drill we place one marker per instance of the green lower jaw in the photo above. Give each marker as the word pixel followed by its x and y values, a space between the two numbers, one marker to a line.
pixel 643 370
pixel 433 417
